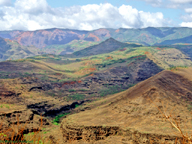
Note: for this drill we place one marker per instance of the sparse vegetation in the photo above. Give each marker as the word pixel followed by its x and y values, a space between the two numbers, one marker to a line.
pixel 176 67
pixel 190 107
pixel 77 96
pixel 5 106
pixel 110 90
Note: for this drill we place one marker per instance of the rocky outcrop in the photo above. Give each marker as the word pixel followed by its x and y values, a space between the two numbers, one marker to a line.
pixel 88 133
pixel 97 133
pixel 48 108
pixel 6 93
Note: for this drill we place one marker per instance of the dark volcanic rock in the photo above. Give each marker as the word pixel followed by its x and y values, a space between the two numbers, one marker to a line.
pixel 4 92
pixel 47 108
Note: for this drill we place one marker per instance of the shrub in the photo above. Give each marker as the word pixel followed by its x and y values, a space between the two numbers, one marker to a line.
pixel 56 120
pixel 186 138
pixel 71 90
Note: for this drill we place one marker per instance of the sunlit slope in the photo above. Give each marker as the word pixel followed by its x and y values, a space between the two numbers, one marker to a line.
pixel 132 109
pixel 166 58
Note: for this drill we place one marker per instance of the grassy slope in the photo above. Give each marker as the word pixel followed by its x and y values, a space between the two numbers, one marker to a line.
pixel 73 46
pixel 132 110
pixel 104 47
pixel 76 68
pixel 13 50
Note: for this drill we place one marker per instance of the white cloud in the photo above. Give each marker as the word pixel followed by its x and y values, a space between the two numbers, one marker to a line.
pixel 155 19
pixel 186 24
pixel 5 2
pixel 181 1
pixel 187 18
pixel 184 5
pixel 154 3
pixel 173 4
pixel 181 4
pixel 188 10
pixel 32 6
pixel 37 14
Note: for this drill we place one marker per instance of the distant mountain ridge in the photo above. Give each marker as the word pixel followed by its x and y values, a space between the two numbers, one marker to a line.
pixel 11 50
pixel 146 36
pixel 107 46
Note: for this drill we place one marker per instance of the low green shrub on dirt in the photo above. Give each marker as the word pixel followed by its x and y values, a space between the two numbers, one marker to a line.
pixel 57 118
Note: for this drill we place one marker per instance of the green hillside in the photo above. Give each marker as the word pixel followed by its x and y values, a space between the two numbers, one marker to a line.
pixel 11 50
pixel 69 48
pixel 164 57
pixel 107 46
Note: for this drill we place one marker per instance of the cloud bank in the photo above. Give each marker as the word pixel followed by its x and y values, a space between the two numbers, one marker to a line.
pixel 37 14
pixel 5 2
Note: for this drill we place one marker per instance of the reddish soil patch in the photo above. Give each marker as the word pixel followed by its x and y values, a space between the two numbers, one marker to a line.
pixel 130 64
pixel 109 58
pixel 94 36
pixel 58 74
pixel 91 75
pixel 117 31
pixel 71 83
pixel 122 49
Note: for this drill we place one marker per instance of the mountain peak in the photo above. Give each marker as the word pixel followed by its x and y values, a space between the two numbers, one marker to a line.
pixel 109 39
pixel 106 46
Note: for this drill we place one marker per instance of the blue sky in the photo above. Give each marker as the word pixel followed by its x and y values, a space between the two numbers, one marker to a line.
pixel 94 14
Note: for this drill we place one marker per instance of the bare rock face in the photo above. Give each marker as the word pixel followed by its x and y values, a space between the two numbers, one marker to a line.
pixel 87 133
pixel 43 38
pixel 96 134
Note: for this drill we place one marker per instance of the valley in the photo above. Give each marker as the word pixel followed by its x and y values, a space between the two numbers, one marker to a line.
pixel 95 87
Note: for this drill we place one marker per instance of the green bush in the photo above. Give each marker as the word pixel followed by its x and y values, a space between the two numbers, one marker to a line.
pixel 32 60
pixel 56 120
pixel 175 67
pixel 72 90
pixel 83 90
